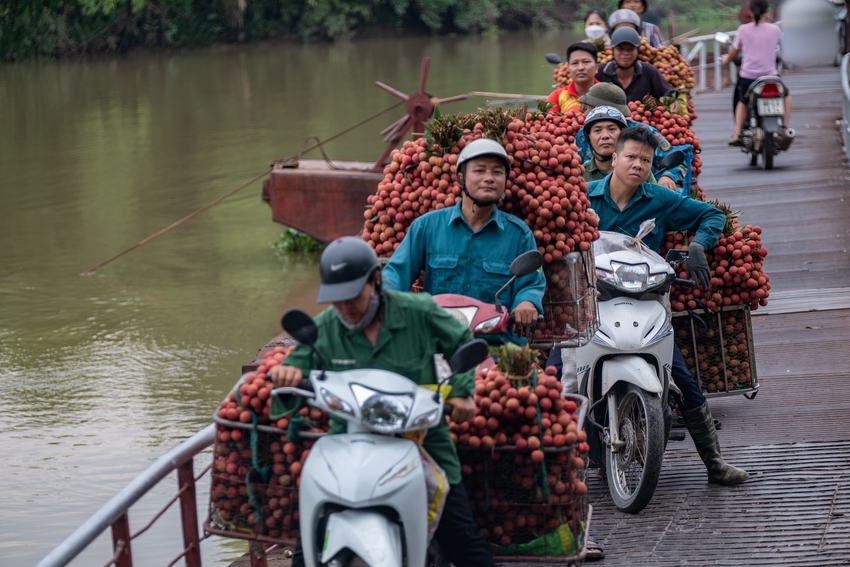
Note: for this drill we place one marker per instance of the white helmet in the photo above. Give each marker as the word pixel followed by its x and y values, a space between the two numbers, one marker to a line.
pixel 480 148
pixel 623 16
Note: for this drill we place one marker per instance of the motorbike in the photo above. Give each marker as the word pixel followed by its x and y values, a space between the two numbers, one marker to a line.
pixel 362 498
pixel 764 133
pixel 484 318
pixel 625 370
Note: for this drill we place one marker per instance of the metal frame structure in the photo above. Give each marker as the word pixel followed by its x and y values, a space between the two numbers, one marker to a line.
pixel 114 513
pixel 694 46
pixel 845 103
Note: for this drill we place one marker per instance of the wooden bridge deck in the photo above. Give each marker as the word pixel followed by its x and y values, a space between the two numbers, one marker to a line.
pixel 795 435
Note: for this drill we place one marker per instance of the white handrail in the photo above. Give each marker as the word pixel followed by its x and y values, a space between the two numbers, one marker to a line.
pixel 845 90
pixel 75 543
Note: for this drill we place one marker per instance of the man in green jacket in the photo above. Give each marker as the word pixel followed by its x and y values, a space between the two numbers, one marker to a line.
pixel 400 332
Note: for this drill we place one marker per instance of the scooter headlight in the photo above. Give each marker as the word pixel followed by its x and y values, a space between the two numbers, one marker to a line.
pixel 487 326
pixel 464 315
pixel 384 413
pixel 631 278
pixel 427 419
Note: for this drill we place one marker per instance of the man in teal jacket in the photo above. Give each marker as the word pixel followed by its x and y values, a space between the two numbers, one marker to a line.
pixel 467 249
pixel 400 332
pixel 622 201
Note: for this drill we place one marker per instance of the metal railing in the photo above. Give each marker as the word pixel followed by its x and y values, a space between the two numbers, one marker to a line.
pixel 114 512
pixel 845 103
pixel 693 46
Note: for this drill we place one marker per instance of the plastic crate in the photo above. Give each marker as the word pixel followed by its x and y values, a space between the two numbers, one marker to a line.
pixel 516 501
pixel 570 315
pixel 725 345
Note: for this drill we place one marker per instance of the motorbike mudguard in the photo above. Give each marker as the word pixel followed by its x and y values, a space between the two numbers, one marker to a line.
pixel 632 369
pixel 368 534
pixel 770 124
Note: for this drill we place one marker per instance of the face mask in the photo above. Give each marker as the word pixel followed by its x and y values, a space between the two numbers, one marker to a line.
pixel 371 311
pixel 594 31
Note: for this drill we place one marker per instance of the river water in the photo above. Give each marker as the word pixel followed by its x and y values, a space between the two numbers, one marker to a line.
pixel 100 375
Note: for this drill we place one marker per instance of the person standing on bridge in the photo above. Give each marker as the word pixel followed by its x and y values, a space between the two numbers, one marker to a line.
pixel 636 78
pixel 757 43
pixel 581 60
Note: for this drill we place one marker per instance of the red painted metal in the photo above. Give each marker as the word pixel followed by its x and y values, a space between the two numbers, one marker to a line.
pixel 257 553
pixel 121 537
pixel 189 513
pixel 419 106
pixel 322 202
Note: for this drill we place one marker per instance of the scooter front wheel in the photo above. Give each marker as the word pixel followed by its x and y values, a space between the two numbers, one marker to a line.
pixel 633 470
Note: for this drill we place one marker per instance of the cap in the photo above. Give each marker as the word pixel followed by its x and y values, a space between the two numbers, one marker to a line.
pixel 607 94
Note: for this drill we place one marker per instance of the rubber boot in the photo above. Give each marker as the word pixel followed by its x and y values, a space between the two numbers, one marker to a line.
pixel 701 427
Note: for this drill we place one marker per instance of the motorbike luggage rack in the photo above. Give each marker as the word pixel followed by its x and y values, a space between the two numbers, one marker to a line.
pixel 713 335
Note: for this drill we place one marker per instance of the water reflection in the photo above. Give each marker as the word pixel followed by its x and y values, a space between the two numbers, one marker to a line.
pixel 100 375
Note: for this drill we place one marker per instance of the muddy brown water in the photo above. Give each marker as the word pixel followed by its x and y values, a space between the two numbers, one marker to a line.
pixel 100 375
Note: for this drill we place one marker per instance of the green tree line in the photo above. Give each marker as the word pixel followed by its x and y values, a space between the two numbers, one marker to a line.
pixel 57 28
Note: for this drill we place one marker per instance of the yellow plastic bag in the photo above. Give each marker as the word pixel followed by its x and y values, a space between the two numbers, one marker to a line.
pixel 437 487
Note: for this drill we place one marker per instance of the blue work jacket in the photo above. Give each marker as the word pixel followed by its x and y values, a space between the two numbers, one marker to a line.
pixel 456 260
pixel 671 211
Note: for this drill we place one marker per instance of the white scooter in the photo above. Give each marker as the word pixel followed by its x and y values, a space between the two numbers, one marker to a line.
pixel 625 369
pixel 362 498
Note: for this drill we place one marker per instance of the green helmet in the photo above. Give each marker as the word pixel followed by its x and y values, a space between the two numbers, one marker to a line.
pixel 607 94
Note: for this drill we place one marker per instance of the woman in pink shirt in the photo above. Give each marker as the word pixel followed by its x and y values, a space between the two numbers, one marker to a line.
pixel 757 42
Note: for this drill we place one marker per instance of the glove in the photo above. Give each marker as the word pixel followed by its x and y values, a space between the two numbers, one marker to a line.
pixel 697 266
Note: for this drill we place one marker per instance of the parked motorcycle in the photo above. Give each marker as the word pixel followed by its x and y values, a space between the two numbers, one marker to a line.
pixel 362 498
pixel 625 369
pixel 764 133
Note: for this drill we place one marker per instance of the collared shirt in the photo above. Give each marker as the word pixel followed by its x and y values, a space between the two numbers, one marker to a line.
pixel 652 33
pixel 456 260
pixel 593 173
pixel 671 211
pixel 646 80
pixel 566 98
pixel 413 329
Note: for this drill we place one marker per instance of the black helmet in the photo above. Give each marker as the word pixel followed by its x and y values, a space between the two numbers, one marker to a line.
pixel 346 265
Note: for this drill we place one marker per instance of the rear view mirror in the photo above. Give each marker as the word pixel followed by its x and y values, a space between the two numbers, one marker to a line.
pixel 469 355
pixel 300 326
pixel 722 38
pixel 676 256
pixel 671 160
pixel 553 58
pixel 526 263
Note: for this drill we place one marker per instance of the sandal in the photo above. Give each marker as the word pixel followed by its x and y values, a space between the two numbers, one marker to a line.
pixel 594 551
pixel 735 141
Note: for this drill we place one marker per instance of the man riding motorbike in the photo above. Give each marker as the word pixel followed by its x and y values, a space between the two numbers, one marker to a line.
pixel 581 59
pixel 622 201
pixel 636 78
pixel 369 327
pixel 608 95
pixel 648 30
pixel 468 249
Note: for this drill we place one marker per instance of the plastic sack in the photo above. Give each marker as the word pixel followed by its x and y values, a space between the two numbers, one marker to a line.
pixel 437 487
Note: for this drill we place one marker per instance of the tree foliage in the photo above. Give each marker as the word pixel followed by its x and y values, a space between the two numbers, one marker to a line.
pixel 38 28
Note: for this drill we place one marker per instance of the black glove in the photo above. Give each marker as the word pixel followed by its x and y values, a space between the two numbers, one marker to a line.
pixel 697 265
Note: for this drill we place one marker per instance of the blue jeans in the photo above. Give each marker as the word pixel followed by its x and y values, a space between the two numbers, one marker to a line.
pixel 691 393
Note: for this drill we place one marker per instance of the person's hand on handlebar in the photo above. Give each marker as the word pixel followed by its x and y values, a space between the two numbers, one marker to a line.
pixel 668 182
pixel 463 409
pixel 697 266
pixel 524 314
pixel 286 376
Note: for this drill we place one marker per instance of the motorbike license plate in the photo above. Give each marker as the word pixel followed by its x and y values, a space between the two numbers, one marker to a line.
pixel 771 106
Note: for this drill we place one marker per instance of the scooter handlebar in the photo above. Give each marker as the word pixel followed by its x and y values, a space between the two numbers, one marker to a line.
pixel 684 282
pixel 447 409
